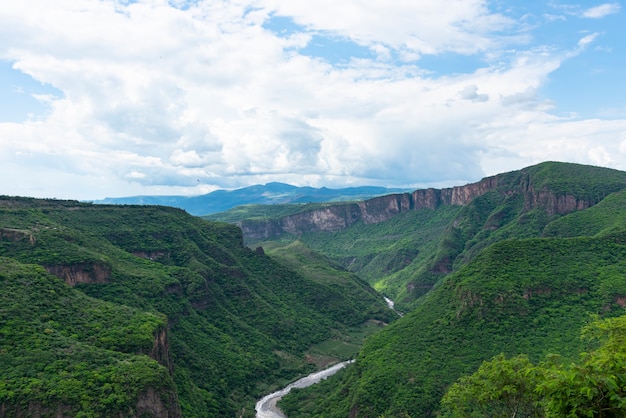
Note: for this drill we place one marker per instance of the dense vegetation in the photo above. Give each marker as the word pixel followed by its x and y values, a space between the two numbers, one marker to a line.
pixel 221 303
pixel 406 256
pixel 494 291
pixel 594 386
pixel 528 296
pixel 522 280
pixel 61 351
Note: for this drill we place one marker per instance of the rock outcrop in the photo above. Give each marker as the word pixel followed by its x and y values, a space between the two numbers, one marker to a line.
pixel 151 403
pixel 81 273
pixel 335 217
pixel 161 349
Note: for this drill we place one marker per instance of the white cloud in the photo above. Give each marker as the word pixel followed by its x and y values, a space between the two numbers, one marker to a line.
pixel 471 93
pixel 424 27
pixel 601 11
pixel 159 99
pixel 586 40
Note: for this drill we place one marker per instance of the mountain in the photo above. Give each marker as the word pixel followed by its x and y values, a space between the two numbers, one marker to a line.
pixel 147 305
pixel 520 269
pixel 146 310
pixel 403 244
pixel 271 193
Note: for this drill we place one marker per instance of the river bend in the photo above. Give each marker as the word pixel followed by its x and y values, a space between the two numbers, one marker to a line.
pixel 266 407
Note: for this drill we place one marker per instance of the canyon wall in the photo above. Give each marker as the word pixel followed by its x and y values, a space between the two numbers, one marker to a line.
pixel 336 217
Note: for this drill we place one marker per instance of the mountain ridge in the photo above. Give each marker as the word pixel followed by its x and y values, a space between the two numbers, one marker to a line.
pixel 334 217
pixel 516 271
pixel 270 193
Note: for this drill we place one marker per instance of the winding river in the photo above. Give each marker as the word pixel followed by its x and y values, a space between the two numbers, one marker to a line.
pixel 266 407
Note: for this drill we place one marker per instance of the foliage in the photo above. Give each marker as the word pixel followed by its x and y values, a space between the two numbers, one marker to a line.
pixel 516 297
pixel 225 304
pixel 593 387
pixel 500 387
pixel 62 349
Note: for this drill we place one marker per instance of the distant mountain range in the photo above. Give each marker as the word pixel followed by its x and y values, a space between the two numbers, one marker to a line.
pixel 271 193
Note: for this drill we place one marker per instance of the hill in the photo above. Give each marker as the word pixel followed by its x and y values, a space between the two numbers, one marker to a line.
pixel 155 291
pixel 65 354
pixel 403 244
pixel 268 194
pixel 527 296
pixel 516 263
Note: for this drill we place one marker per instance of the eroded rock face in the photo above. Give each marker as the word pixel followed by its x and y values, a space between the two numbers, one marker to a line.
pixel 379 209
pixel 11 234
pixel 553 203
pixel 81 273
pixel 161 349
pixel 151 404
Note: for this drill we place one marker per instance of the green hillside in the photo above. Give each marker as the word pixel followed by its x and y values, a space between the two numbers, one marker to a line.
pixel 519 274
pixel 407 255
pixel 64 352
pixel 237 323
pixel 144 305
pixel 518 296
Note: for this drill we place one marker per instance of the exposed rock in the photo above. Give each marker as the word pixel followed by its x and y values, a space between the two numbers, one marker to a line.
pixel 161 349
pixel 11 234
pixel 81 273
pixel 152 255
pixel 151 404
pixel 336 217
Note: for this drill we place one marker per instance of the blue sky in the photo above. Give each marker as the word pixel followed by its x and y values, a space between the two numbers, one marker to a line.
pixel 102 98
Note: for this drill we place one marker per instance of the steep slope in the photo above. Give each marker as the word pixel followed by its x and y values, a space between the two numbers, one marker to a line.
pixel 64 354
pixel 556 187
pixel 403 244
pixel 225 304
pixel 517 296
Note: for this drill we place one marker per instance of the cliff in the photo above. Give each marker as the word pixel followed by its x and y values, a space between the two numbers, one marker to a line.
pixel 81 273
pixel 335 217
pixel 559 188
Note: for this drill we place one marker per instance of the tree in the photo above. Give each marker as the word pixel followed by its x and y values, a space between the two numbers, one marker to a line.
pixel 594 387
pixel 499 388
pixel 597 386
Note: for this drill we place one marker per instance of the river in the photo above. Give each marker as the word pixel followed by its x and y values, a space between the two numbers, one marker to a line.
pixel 266 407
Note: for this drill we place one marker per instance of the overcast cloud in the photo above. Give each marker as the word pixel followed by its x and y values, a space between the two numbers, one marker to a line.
pixel 182 97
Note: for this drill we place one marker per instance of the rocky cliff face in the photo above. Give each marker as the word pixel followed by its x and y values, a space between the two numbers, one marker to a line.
pixel 379 209
pixel 151 403
pixel 337 217
pixel 81 273
pixel 161 349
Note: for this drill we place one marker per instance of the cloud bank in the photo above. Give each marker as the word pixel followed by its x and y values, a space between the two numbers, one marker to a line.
pixel 173 97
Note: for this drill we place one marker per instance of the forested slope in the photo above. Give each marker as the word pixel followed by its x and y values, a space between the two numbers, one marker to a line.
pixel 405 255
pixel 518 296
pixel 235 323
pixel 527 270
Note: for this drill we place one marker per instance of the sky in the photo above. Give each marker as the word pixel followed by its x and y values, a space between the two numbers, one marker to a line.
pixel 110 98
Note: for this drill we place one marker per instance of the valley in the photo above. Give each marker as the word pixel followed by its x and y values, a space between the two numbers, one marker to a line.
pixel 150 310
